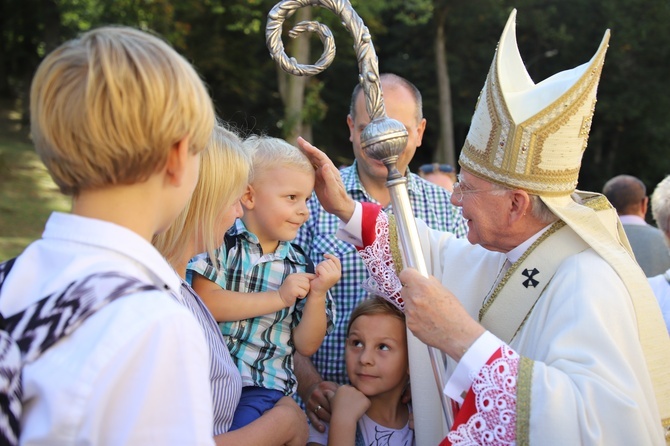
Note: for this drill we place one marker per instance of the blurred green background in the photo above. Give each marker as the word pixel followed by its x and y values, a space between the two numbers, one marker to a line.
pixel 27 193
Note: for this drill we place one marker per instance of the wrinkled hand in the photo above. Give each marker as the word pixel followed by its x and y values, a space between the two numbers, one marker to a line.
pixel 328 185
pixel 295 286
pixel 319 396
pixel 300 421
pixel 349 403
pixel 327 273
pixel 435 315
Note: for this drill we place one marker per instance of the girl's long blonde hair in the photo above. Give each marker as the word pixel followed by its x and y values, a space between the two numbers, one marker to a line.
pixel 224 174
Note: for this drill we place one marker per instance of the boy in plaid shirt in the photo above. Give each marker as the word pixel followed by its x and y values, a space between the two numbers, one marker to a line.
pixel 267 295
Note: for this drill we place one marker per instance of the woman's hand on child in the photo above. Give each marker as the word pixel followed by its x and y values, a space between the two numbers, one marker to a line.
pixel 299 424
pixel 295 286
pixel 328 272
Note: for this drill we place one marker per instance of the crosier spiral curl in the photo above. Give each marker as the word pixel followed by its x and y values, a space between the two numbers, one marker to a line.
pixel 365 51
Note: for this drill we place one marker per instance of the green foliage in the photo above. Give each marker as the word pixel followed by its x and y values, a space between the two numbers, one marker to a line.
pixel 411 12
pixel 225 39
pixel 315 108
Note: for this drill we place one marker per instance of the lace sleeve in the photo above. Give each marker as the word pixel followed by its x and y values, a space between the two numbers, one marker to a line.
pixel 492 417
pixel 379 261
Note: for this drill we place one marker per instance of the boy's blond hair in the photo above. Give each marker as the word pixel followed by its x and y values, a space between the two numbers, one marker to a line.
pixel 224 173
pixel 107 107
pixel 267 152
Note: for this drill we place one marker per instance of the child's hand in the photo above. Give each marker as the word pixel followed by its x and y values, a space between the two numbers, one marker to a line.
pixel 328 273
pixel 349 402
pixel 295 286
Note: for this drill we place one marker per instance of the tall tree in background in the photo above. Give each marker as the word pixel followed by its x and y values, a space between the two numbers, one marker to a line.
pixel 292 88
pixel 30 29
pixel 416 14
pixel 444 152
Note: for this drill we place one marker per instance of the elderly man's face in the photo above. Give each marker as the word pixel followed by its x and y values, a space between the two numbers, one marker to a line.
pixel 486 210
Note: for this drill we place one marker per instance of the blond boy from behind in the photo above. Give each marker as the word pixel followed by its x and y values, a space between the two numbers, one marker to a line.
pixel 119 120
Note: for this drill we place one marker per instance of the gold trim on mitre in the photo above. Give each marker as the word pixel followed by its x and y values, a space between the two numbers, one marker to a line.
pixel 532 136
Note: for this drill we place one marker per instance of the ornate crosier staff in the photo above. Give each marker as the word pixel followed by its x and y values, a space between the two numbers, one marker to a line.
pixel 383 139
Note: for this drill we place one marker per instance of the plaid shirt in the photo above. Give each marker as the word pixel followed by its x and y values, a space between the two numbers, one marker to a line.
pixel 262 347
pixel 429 202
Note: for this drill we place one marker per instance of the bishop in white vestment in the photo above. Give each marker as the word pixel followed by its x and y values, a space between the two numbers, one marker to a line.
pixel 552 332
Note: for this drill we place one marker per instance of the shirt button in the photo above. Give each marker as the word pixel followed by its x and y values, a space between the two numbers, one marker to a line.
pixel 234 340
pixel 243 324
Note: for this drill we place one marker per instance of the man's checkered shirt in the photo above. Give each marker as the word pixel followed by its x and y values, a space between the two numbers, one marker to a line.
pixel 429 202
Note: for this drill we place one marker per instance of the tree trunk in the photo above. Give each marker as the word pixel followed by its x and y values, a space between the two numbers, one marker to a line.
pixel 49 15
pixel 52 25
pixel 444 152
pixel 292 88
pixel 5 91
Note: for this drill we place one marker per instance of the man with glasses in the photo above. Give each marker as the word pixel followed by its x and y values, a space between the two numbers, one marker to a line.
pixel 461 189
pixel 364 181
pixel 547 322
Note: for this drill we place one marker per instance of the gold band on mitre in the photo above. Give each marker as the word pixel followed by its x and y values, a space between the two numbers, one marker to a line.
pixel 532 136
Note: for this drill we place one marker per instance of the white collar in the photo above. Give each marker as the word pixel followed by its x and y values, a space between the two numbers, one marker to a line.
pixel 516 253
pixel 632 220
pixel 116 238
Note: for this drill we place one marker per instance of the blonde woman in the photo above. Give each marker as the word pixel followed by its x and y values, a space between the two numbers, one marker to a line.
pixel 214 206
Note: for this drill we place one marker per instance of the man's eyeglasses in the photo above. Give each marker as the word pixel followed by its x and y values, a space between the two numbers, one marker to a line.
pixel 460 190
pixel 436 167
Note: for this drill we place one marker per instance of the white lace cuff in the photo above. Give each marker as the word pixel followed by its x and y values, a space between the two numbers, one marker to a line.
pixel 377 257
pixel 470 364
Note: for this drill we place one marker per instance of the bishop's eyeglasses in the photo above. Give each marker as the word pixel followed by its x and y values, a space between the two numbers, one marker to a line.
pixel 461 189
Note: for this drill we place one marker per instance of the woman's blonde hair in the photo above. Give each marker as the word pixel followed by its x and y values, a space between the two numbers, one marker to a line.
pixel 224 174
pixel 267 152
pixel 107 107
